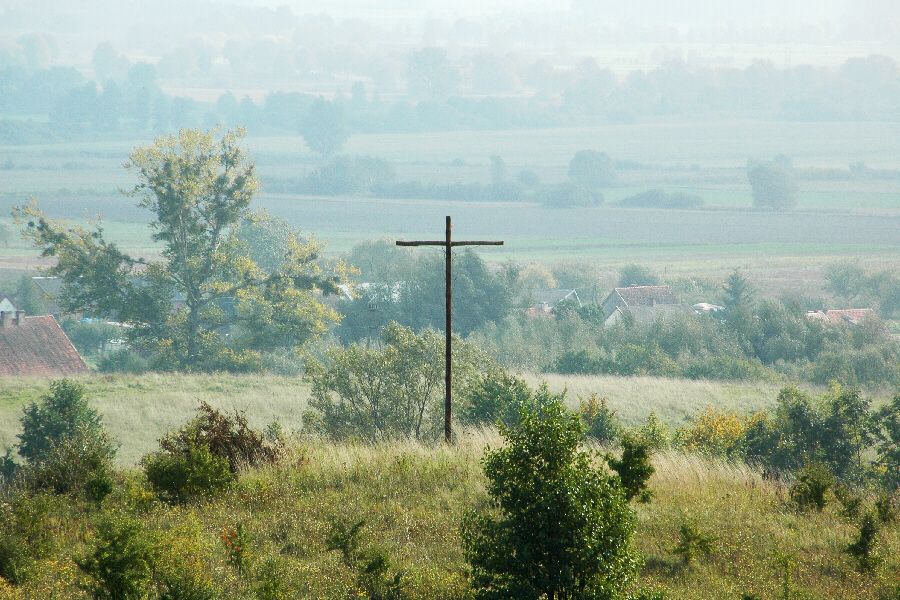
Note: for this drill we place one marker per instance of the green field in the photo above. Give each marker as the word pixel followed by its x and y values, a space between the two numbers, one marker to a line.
pixel 854 220
pixel 139 409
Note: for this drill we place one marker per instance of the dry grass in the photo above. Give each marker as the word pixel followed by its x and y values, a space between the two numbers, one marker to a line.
pixel 139 409
pixel 413 498
pixel 673 400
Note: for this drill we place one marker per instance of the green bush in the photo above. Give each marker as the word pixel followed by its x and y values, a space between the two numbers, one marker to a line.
pixel 561 530
pixel 123 361
pixel 600 421
pixel 633 468
pixel 227 436
pixel 494 398
pixel 59 414
pixel 80 463
pixel 812 486
pixel 120 564
pixel 370 565
pixel 654 434
pixel 497 398
pixel 693 543
pixel 395 390
pixel 191 473
pixel 24 536
pixel 888 435
pixel 863 548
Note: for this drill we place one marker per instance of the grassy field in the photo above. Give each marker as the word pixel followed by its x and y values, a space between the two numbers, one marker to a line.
pixel 413 499
pixel 836 219
pixel 139 409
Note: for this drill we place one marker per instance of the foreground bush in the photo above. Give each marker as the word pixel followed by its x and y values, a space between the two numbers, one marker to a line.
pixel 120 565
pixel 24 537
pixel 59 414
pixel 395 390
pixel 65 447
pixel 203 457
pixel 556 527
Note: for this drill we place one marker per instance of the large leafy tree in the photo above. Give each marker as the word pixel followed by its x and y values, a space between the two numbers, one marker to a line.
pixel 773 183
pixel 557 527
pixel 206 303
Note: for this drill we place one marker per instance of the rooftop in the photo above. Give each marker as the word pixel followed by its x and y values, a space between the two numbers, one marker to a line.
pixel 36 346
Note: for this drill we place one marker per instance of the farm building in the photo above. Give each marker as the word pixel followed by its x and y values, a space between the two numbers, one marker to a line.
pixel 644 303
pixel 6 304
pixel 546 301
pixel 849 316
pixel 36 346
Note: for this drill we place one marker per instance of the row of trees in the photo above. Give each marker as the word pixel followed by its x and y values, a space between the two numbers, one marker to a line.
pixel 127 97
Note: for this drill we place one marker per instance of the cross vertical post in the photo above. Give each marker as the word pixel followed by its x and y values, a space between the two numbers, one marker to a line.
pixel 448 338
pixel 448 245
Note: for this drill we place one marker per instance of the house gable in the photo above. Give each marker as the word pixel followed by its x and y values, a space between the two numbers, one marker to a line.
pixel 36 346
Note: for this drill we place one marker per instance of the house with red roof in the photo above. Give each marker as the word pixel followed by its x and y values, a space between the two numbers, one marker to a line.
pixel 36 346
pixel 847 316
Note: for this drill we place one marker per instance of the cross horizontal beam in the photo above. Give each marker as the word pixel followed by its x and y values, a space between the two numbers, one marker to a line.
pixel 448 245
pixel 444 243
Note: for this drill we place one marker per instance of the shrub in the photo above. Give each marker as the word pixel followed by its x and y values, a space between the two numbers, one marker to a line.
pixel 654 433
pixel 562 529
pixel 863 548
pixel 80 462
pixel 851 501
pixel 888 432
pixel 887 507
pixel 8 468
pixel 634 468
pixel 395 390
pixel 370 565
pixel 495 398
pixel 226 436
pixel 714 432
pixel 60 413
pixel 811 487
pixel 600 421
pixel 270 581
pixel 123 361
pixel 120 565
pixel 580 362
pixel 188 473
pixel 692 543
pixel 24 537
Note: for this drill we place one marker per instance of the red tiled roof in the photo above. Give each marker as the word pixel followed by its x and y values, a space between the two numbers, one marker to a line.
pixel 849 315
pixel 647 295
pixel 37 346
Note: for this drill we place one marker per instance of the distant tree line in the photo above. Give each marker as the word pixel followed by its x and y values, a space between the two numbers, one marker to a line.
pixel 61 103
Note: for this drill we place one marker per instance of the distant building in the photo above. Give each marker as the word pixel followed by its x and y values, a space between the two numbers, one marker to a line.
pixel 848 316
pixel 36 346
pixel 644 303
pixel 705 308
pixel 6 304
pixel 546 301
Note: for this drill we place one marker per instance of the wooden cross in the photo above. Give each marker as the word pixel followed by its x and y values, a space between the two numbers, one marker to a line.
pixel 448 245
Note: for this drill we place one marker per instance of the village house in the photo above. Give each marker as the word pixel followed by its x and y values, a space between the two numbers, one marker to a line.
pixel 545 302
pixel 848 316
pixel 643 303
pixel 36 346
pixel 6 304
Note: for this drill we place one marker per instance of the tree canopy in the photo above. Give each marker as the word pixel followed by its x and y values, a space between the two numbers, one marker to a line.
pixel 206 303
pixel 774 183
